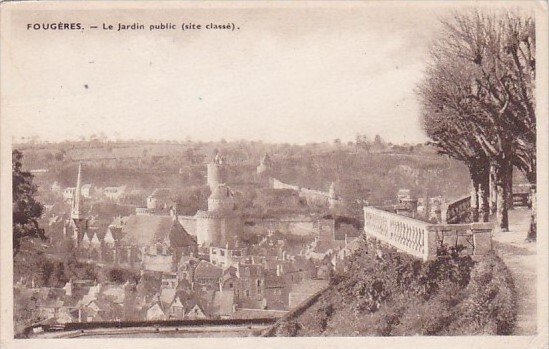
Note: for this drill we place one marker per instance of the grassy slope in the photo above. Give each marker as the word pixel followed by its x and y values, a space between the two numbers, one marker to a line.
pixel 386 293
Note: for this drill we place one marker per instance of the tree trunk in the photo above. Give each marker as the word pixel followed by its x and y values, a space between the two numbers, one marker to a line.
pixel 484 196
pixel 480 202
pixel 502 217
pixel 493 190
pixel 502 186
pixel 475 198
pixel 509 186
pixel 532 232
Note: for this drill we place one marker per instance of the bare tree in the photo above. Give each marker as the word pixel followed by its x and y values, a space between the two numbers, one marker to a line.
pixel 480 83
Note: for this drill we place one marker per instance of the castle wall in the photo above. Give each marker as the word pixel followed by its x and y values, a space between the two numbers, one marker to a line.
pixel 281 185
pixel 294 227
pixel 313 197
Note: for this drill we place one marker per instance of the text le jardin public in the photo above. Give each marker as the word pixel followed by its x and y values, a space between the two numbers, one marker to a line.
pixel 133 26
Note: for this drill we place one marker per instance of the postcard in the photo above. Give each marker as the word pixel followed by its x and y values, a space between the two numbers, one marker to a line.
pixel 274 174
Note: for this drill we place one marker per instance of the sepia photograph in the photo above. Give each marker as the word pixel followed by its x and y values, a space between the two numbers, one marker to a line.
pixel 192 171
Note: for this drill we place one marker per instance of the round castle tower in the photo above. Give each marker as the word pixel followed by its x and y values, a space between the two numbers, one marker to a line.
pixel 221 199
pixel 217 172
pixel 220 223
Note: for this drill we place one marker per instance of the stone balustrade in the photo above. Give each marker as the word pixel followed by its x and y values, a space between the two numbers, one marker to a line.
pixel 458 211
pixel 406 234
pixel 521 199
pixel 421 239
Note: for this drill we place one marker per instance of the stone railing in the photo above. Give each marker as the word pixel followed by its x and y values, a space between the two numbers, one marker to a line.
pixel 406 234
pixel 421 239
pixel 521 199
pixel 458 211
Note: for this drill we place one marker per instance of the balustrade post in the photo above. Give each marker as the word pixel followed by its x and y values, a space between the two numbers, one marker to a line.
pixel 482 238
pixel 430 244
pixel 444 213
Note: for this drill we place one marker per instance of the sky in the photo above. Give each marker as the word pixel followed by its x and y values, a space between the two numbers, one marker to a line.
pixel 289 74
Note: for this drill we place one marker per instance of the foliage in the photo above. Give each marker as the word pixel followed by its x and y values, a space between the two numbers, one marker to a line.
pixel 491 307
pixel 374 175
pixel 386 293
pixel 121 276
pixel 26 210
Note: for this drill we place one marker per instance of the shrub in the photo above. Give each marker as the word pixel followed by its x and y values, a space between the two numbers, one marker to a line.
pixel 288 329
pixel 491 304
pixel 387 293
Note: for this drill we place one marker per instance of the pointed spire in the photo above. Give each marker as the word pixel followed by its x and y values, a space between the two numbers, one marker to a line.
pixel 173 213
pixel 332 190
pixel 75 212
pixel 266 160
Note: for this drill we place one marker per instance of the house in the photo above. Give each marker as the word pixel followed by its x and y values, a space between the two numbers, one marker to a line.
pixel 325 270
pixel 155 312
pixel 68 193
pixel 114 193
pixel 207 276
pixel 249 293
pixel 195 312
pixel 403 194
pixel 304 290
pixel 186 267
pixel 222 304
pixel 169 281
pixel 56 188
pixel 276 292
pixel 226 256
pixel 155 242
pixel 229 280
pixel 160 200
pixel 87 191
pixel 115 293
pixel 176 309
pixel 50 308
pixel 89 311
pixel 167 297
pixel 65 315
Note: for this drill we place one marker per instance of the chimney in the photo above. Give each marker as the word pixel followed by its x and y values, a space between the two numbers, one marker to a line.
pixel 278 270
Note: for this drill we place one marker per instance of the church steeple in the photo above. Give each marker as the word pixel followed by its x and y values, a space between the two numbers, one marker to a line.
pixel 75 210
pixel 331 191
pixel 264 166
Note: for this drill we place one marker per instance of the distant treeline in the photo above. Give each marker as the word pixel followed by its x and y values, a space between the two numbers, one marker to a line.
pixel 362 170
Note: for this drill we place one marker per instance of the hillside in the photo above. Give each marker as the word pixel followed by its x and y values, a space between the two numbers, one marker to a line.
pixel 360 174
pixel 386 293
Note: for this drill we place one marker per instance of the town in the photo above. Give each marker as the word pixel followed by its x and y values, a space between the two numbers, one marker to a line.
pixel 196 266
pixel 216 263
pixel 335 187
